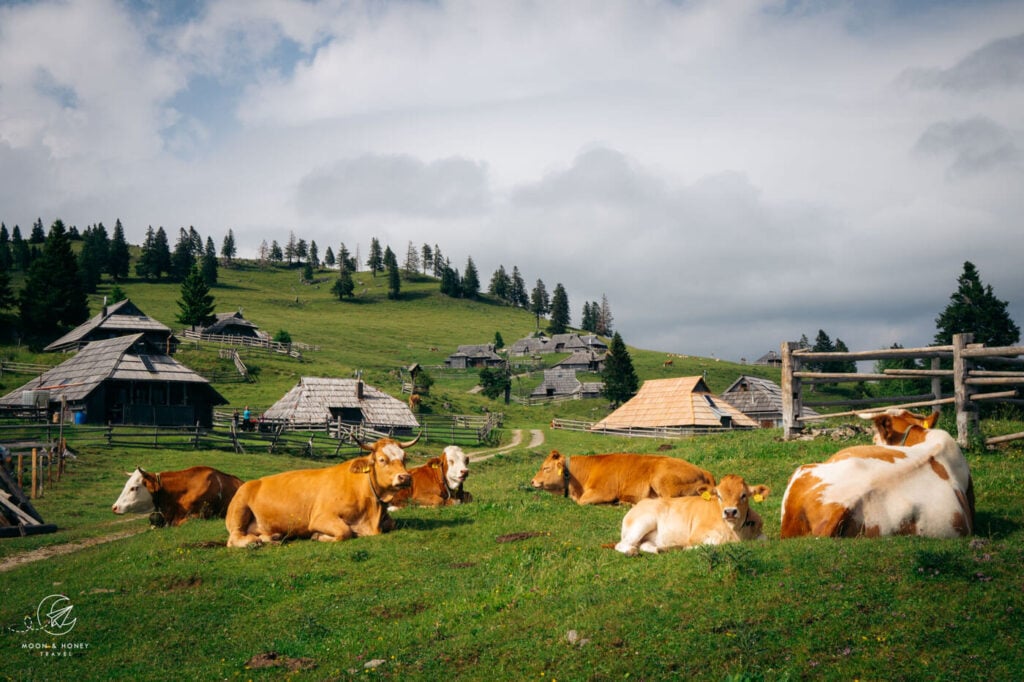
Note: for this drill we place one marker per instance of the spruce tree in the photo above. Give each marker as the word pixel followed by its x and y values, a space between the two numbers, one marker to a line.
pixel 974 308
pixel 560 319
pixel 228 249
pixel 196 302
pixel 343 286
pixel 470 281
pixel 161 253
pixel 375 261
pixel 329 257
pixel 146 266
pixel 540 302
pixel 53 299
pixel 517 295
pixel 209 263
pixel 394 279
pixel 6 259
pixel 500 284
pixel 119 257
pixel 620 379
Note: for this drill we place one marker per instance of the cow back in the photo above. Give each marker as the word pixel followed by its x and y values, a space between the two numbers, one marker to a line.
pixel 629 478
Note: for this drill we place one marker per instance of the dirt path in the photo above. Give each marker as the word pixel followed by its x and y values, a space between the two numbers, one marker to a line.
pixel 536 440
pixel 13 562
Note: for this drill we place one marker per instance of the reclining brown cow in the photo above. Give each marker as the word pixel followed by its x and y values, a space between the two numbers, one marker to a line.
pixel 438 482
pixel 174 496
pixel 620 477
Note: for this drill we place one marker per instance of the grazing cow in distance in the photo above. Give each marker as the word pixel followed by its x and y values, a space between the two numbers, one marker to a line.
pixel 330 504
pixel 913 481
pixel 174 496
pixel 438 482
pixel 620 477
pixel 713 518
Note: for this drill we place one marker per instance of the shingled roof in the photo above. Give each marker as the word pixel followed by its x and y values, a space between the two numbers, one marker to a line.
pixel 758 398
pixel 125 358
pixel 315 400
pixel 669 403
pixel 118 319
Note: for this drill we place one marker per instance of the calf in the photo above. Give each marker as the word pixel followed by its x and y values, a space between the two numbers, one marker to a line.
pixel 174 496
pixel 913 481
pixel 439 482
pixel 716 517
pixel 619 477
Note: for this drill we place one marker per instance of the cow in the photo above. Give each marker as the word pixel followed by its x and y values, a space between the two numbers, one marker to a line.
pixel 439 482
pixel 714 518
pixel 330 504
pixel 174 496
pixel 913 480
pixel 619 477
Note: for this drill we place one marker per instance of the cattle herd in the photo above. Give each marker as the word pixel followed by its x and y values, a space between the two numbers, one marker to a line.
pixel 913 480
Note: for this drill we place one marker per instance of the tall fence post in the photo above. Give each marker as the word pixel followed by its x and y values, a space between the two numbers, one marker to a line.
pixel 792 401
pixel 966 412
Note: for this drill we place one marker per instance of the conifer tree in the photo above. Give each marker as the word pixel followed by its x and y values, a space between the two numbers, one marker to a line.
pixel 394 279
pixel 343 286
pixel 227 248
pixel 620 379
pixel 209 263
pixel 974 308
pixel 19 250
pixel 329 257
pixel 560 318
pixel 38 235
pixel 540 302
pixel 6 259
pixel 426 258
pixel 119 257
pixel 162 253
pixel 53 299
pixel 375 261
pixel 500 284
pixel 470 281
pixel 517 294
pixel 196 302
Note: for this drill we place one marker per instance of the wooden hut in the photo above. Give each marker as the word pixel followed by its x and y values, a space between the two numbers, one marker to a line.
pixel 117 319
pixel 124 380
pixel 471 356
pixel 684 402
pixel 319 400
pixel 233 324
pixel 760 399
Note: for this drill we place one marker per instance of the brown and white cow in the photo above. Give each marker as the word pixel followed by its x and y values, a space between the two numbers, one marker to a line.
pixel 174 496
pixel 713 518
pixel 438 482
pixel 620 477
pixel 913 481
pixel 330 504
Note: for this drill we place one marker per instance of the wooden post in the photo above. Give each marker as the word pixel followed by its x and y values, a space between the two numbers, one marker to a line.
pixel 966 413
pixel 792 399
pixel 35 474
pixel 21 471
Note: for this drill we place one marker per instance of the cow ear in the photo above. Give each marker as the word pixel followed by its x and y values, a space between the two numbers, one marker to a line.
pixel 360 466
pixel 930 420
pixel 760 492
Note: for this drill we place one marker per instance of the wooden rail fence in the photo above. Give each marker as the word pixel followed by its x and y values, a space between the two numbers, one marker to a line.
pixel 968 381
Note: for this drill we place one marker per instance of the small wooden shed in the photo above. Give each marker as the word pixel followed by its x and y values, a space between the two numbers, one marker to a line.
pixel 234 324
pixel 318 400
pixel 760 399
pixel 471 356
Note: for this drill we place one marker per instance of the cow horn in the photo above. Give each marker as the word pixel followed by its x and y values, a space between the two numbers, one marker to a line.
pixel 410 443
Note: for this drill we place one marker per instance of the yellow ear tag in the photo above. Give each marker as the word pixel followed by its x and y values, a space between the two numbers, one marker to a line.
pixel 758 497
pixel 435 465
pixel 706 495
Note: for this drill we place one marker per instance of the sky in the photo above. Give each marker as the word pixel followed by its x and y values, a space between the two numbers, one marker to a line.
pixel 730 175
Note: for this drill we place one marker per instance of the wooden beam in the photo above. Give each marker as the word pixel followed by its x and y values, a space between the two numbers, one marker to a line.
pixel 889 354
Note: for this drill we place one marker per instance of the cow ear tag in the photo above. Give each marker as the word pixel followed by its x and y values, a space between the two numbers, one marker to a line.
pixel 706 495
pixel 758 497
pixel 360 468
pixel 435 465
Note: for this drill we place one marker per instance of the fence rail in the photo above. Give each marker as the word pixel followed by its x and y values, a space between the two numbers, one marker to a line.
pixel 966 377
pixel 22 368
pixel 293 349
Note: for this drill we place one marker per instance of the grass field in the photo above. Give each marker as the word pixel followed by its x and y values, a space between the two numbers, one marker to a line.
pixel 513 586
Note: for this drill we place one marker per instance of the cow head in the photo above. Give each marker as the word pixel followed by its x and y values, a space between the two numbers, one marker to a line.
pixel 734 496
pixel 137 495
pixel 897 426
pixel 552 473
pixel 454 466
pixel 386 466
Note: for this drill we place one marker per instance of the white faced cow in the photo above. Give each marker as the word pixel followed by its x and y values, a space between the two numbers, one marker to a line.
pixel 174 496
pixel 438 482
pixel 913 481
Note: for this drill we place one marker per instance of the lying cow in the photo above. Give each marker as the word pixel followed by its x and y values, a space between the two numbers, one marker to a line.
pixel 174 496
pixel 714 518
pixel 913 481
pixel 614 478
pixel 439 482
pixel 330 504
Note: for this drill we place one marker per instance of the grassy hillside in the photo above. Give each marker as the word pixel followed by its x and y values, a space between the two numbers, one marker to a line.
pixel 513 586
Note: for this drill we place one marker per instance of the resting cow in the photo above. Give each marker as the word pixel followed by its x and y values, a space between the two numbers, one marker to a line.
pixel 335 503
pixel 609 479
pixel 714 518
pixel 174 496
pixel 439 482
pixel 913 481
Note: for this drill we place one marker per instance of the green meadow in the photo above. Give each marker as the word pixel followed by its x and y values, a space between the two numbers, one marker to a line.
pixel 518 584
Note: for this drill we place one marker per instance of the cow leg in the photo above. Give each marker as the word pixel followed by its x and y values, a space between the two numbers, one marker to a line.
pixel 638 533
pixel 330 529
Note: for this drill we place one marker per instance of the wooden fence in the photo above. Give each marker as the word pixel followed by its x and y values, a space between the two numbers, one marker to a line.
pixel 293 349
pixel 22 368
pixel 968 382
pixel 666 432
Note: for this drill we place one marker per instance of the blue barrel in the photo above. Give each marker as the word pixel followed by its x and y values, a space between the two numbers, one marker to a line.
pixel 79 417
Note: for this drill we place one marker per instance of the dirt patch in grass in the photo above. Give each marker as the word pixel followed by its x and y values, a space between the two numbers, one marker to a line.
pixel 272 659
pixel 12 562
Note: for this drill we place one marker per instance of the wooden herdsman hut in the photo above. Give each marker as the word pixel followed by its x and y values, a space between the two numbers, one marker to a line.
pixel 760 399
pixel 319 400
pixel 684 403
pixel 117 319
pixel 124 380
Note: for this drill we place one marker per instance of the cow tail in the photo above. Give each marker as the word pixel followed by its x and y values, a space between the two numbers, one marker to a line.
pixel 239 514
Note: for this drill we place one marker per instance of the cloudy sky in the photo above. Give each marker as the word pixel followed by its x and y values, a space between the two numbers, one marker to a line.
pixel 729 174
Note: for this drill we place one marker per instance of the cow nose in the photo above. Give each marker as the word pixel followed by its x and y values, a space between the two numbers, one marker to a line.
pixel 403 479
pixel 114 509
pixel 730 513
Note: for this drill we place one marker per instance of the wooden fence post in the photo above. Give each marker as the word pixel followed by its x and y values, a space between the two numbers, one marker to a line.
pixel 35 474
pixel 792 400
pixel 966 411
